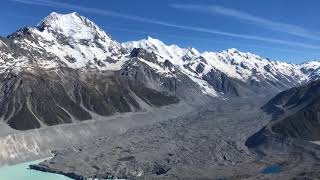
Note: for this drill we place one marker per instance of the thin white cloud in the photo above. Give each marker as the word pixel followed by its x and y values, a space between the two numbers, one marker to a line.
pixel 162 23
pixel 252 19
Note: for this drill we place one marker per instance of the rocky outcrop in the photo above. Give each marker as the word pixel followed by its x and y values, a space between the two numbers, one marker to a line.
pixel 295 113
pixel 222 83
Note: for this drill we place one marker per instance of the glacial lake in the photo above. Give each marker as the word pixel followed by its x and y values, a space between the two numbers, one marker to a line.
pixel 22 172
pixel 272 169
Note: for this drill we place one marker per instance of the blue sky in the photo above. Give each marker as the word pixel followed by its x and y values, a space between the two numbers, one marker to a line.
pixel 279 29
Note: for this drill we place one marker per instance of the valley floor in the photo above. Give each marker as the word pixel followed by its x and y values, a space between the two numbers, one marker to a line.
pixel 176 142
pixel 207 143
pixel 23 146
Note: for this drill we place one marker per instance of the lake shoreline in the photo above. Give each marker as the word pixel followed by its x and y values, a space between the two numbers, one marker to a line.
pixel 23 171
pixel 38 167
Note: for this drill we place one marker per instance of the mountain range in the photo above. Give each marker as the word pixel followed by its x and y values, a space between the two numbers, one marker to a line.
pixel 67 69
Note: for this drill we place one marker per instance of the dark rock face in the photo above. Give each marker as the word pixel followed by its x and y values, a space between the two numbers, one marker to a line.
pixel 296 112
pixel 200 68
pixel 138 74
pixel 142 53
pixel 168 65
pixel 29 99
pixel 277 104
pixel 302 125
pixel 221 82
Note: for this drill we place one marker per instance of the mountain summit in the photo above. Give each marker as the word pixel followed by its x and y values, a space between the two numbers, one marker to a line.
pixel 69 40
pixel 73 26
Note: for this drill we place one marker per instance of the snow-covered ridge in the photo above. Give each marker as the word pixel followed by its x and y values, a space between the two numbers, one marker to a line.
pixel 170 52
pixel 236 64
pixel 311 68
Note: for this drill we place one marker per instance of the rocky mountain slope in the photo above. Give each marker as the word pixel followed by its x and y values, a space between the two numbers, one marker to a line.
pixel 297 112
pixel 53 74
pixel 67 69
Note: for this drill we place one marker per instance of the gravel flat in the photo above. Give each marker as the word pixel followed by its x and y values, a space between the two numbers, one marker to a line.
pixel 205 144
pixel 210 138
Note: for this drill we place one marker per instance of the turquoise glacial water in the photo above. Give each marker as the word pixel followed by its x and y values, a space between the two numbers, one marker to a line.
pixel 22 172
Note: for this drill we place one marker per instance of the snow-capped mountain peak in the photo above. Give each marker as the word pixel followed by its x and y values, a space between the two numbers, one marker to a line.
pixel 72 25
pixel 172 52
pixel 69 40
